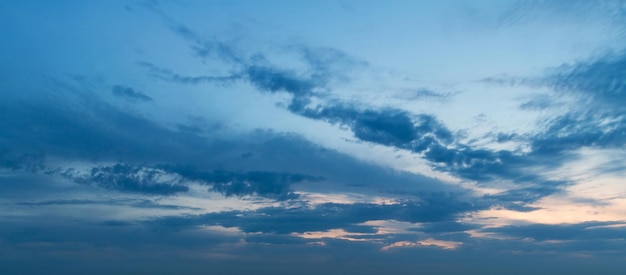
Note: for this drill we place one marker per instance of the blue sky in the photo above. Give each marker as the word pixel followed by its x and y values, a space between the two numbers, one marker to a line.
pixel 308 137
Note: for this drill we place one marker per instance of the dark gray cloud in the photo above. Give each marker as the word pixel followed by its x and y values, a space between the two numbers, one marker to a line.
pixel 323 65
pixel 598 121
pixel 596 117
pixel 262 183
pixel 170 179
pixel 419 133
pixel 595 120
pixel 262 76
pixel 81 126
pixel 129 93
pixel 129 178
pixel 77 125
pixel 73 122
pixel 276 80
pixel 583 233
pixel 15 160
pixel 131 202
pixel 432 207
pixel 72 202
pixel 69 236
pixel 601 79
pixel 425 135
pixel 581 129
pixel 518 199
pixel 52 224
pixel 390 127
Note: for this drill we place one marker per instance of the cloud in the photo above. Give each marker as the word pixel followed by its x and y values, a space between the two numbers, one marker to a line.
pixel 170 179
pixel 540 102
pixel 518 199
pixel 433 207
pixel 76 123
pixel 587 236
pixel 126 152
pixel 400 244
pixel 29 161
pixel 422 134
pixel 445 227
pixel 323 65
pixel 601 79
pixel 168 75
pixel 608 12
pixel 391 127
pixel 597 84
pixel 182 184
pixel 580 129
pixel 261 183
pixel 595 117
pixel 262 76
pixel 274 80
pixel 441 244
pixel 335 234
pixel 425 135
pixel 129 94
pixel 426 94
pixel 128 178
pixel 136 202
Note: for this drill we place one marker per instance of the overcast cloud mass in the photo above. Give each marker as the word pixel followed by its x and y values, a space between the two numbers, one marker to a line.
pixel 313 137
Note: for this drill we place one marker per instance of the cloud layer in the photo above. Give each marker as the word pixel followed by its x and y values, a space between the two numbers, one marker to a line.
pixel 182 137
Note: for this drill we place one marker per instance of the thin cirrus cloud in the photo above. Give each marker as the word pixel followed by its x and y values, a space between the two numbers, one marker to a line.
pixel 129 93
pixel 203 137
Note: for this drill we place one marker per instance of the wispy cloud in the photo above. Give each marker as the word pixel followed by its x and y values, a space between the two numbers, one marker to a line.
pixel 133 179
pixel 129 93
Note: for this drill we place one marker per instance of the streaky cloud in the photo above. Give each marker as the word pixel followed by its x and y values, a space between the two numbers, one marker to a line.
pixel 169 76
pixel 262 183
pixel 129 93
pixel 582 232
pixel 599 84
pixel 433 207
pixel 423 134
pixel 133 179
pixel 600 79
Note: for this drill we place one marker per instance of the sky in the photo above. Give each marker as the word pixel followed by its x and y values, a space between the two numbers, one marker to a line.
pixel 313 137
